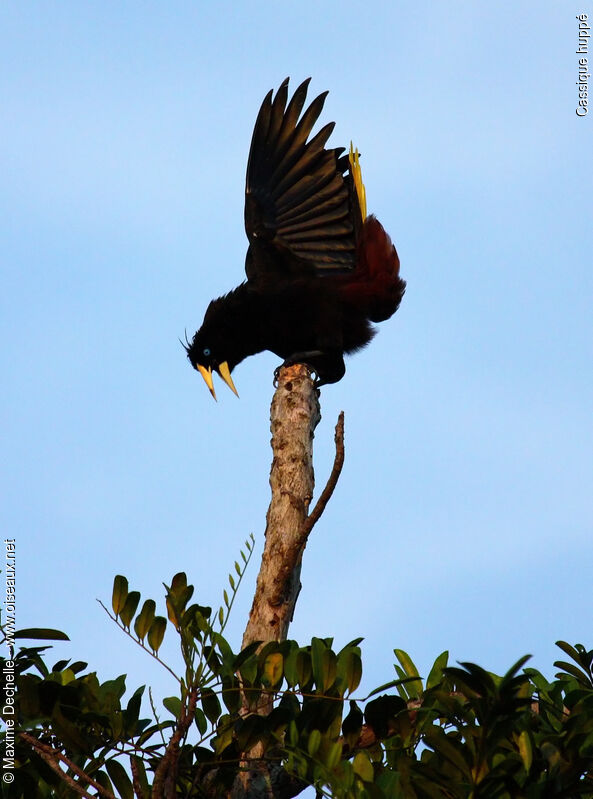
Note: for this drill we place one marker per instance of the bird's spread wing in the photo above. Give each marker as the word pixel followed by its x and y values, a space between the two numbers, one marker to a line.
pixel 301 209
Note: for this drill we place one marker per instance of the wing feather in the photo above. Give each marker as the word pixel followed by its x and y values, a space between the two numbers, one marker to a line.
pixel 299 201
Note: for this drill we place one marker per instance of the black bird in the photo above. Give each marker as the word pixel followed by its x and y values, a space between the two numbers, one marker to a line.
pixel 319 270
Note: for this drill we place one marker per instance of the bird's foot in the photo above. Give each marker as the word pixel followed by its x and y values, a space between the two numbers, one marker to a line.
pixel 291 362
pixel 326 366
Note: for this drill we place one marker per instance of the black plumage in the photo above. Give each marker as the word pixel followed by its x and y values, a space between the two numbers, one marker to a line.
pixel 319 271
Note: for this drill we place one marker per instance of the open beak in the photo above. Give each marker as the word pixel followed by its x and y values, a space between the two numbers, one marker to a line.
pixel 207 375
pixel 225 373
pixel 223 370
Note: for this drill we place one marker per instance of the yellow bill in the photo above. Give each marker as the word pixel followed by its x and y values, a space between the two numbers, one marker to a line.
pixel 207 375
pixel 225 373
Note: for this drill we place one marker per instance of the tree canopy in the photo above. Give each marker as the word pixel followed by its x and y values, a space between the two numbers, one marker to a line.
pixel 460 732
pixel 274 716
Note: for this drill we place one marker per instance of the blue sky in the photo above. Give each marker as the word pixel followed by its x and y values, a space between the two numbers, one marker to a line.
pixel 463 517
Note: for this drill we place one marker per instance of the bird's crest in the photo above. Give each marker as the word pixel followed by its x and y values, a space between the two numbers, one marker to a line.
pixel 356 173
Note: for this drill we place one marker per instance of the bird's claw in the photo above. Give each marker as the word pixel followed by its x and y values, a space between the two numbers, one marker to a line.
pixel 311 369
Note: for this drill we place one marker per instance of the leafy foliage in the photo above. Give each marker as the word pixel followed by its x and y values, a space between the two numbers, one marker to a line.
pixel 292 710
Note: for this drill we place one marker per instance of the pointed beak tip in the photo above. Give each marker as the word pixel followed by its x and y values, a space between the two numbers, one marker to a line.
pixel 207 375
pixel 225 373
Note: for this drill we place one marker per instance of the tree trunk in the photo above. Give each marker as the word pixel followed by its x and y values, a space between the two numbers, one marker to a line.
pixel 294 416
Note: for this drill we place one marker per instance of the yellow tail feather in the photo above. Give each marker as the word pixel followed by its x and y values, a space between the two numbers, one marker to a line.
pixel 356 173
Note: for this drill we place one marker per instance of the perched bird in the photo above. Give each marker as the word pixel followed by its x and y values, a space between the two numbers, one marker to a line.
pixel 319 270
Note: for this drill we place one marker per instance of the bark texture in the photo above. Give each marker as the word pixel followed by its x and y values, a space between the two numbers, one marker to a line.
pixel 294 416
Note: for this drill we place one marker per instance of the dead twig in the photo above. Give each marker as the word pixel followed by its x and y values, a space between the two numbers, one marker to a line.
pixel 51 756
pixel 332 481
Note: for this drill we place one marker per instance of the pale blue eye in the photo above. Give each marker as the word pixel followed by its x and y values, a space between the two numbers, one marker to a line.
pixel 206 352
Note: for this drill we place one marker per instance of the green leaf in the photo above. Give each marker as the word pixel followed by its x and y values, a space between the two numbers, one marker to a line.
pixel 130 606
pixel 436 673
pixel 178 595
pixel 120 779
pixel 318 648
pixel 363 767
pixel 244 654
pixel 388 782
pixel 349 670
pixel 103 780
pixel 272 671
pixel 330 670
pixel 157 633
pixel 42 634
pixel 120 592
pixel 472 679
pixel 569 650
pixel 289 653
pixel 67 676
pixel 114 688
pixel 574 671
pixel 211 705
pixel 447 747
pixel 525 749
pixel 201 721
pixel 231 695
pixel 226 653
pixel 249 731
pixel 153 729
pixel 334 754
pixel 212 660
pixel 293 734
pixel 145 619
pixel 224 735
pixel 304 668
pixel 173 611
pixel 203 610
pixel 248 669
pixel 414 687
pixel 200 621
pixel 324 663
pixel 313 742
pixel 179 583
pixel 351 645
pixel 173 705
pixel 132 711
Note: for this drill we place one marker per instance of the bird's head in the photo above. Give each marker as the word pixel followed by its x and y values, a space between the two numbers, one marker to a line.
pixel 205 355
